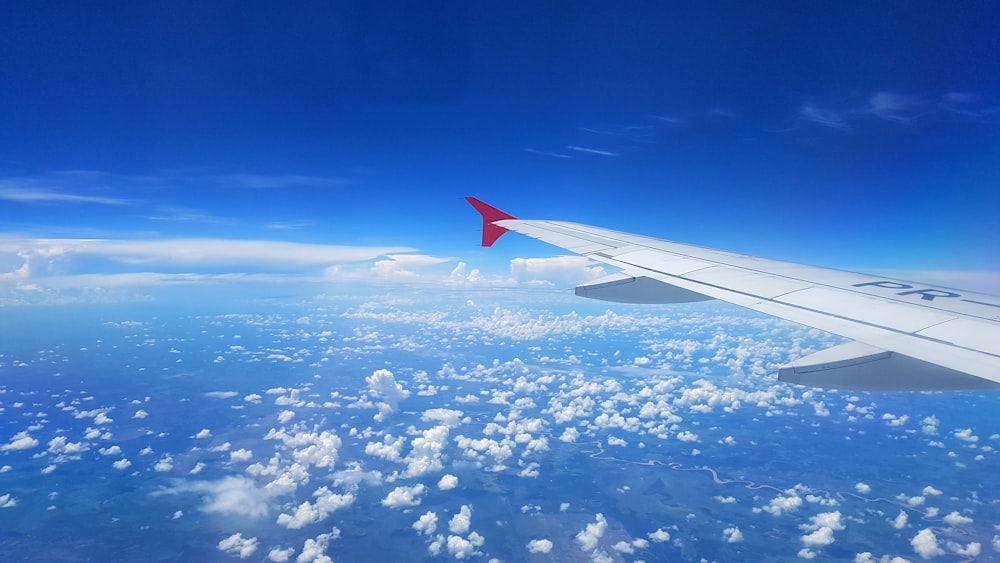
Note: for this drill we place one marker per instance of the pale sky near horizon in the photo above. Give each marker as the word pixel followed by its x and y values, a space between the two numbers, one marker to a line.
pixel 852 135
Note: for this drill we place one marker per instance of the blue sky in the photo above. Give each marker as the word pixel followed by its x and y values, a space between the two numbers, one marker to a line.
pixel 855 135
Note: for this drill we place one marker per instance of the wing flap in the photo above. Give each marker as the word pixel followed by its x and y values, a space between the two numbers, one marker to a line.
pixel 858 366
pixel 624 288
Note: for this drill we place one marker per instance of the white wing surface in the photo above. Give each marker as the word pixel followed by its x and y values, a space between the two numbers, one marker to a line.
pixel 906 335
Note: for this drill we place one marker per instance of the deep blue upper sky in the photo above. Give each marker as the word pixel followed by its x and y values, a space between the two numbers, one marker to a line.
pixel 850 134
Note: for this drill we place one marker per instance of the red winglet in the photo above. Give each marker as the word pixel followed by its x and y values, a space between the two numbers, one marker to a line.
pixel 490 214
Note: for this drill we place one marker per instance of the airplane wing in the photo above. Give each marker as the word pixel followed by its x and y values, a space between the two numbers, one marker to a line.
pixel 904 335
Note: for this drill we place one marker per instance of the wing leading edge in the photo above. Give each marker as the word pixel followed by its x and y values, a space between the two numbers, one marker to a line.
pixel 906 335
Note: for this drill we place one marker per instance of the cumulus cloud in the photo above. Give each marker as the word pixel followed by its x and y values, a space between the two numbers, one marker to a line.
pixel 459 523
pixel 925 544
pixel 20 441
pixel 591 535
pixel 539 546
pixel 659 536
pixel 732 535
pixel 311 513
pixel 781 504
pixel 427 523
pixel 237 545
pixel 382 385
pixel 863 488
pixel 956 519
pixel 448 482
pixel 899 522
pixel 402 497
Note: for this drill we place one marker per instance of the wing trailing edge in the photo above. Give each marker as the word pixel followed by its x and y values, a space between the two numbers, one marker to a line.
pixel 858 366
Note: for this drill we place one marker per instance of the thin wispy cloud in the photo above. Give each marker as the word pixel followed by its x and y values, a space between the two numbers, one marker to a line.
pixel 548 153
pixel 588 150
pixel 190 216
pixel 289 225
pixel 895 107
pixel 280 182
pixel 200 251
pixel 43 196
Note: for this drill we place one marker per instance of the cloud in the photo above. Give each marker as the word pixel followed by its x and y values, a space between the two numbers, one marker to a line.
pixel 382 385
pixel 539 546
pixel 197 252
pixel 956 519
pixel 586 150
pixel 591 535
pixel 20 441
pixel 558 270
pixel 732 535
pixel 896 107
pixel 549 153
pixel 402 497
pixel 863 488
pixel 925 544
pixel 459 523
pixel 404 266
pixel 236 544
pixel 10 192
pixel 427 523
pixel 233 496
pixel 448 482
pixel 899 522
pixel 311 513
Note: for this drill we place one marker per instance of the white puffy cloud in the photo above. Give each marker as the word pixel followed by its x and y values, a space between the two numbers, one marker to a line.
pixel 164 464
pixel 7 501
pixel 427 523
pixel 122 464
pixel 311 513
pixel 818 538
pixel 781 504
pixel 732 535
pixel 659 536
pixel 931 491
pixel 899 522
pixel 448 482
pixel 925 544
pixel 240 455
pixel 461 548
pixel 862 488
pixel 966 435
pixel 314 550
pixel 60 445
pixel 539 546
pixel 383 387
pixel 237 545
pixel 402 497
pixel 20 441
pixel 279 555
pixel 956 519
pixel 459 523
pixel 589 536
pixel 203 433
